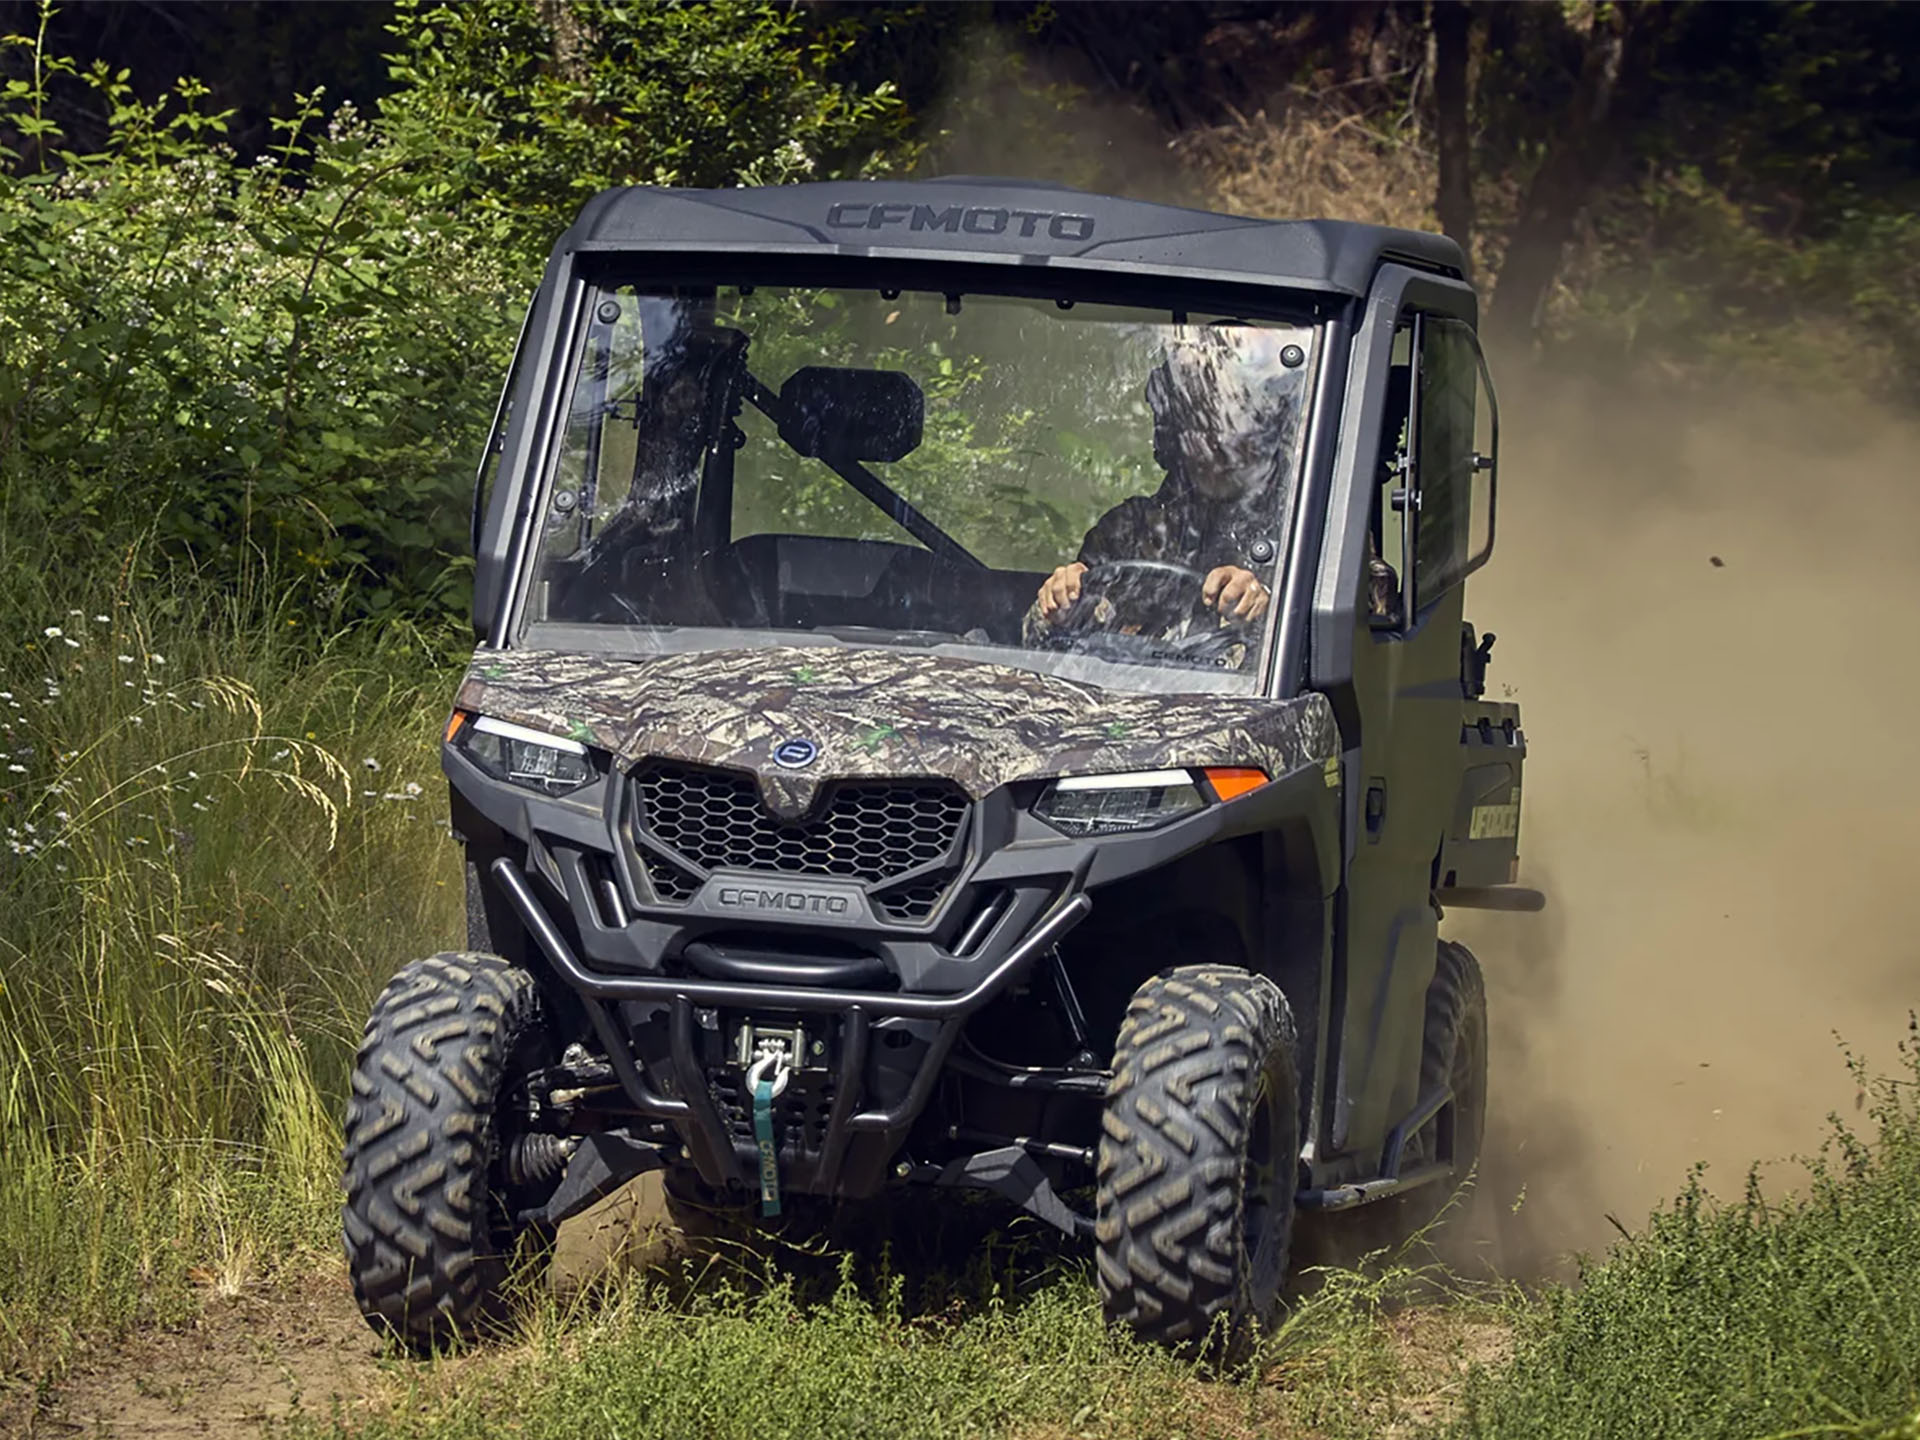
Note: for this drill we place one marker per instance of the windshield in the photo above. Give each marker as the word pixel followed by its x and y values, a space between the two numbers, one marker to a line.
pixel 1081 489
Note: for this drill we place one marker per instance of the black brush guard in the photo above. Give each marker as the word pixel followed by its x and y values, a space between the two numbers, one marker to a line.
pixel 722 1159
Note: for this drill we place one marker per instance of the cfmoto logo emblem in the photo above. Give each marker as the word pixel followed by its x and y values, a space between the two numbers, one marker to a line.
pixel 795 754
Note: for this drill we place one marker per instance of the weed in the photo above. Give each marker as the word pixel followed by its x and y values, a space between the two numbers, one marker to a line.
pixel 199 900
pixel 1761 1318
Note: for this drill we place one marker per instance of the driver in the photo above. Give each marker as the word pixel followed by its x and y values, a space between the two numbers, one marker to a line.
pixel 1221 404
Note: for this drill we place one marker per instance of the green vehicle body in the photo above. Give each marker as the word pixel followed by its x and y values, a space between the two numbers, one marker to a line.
pixel 734 795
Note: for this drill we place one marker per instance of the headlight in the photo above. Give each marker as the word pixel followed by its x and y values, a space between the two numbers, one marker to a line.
pixel 551 764
pixel 1109 804
pixel 1139 799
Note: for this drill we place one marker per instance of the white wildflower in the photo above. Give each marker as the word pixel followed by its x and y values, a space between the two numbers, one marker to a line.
pixel 124 659
pixel 52 632
pixel 18 769
pixel 413 788
pixel 103 619
pixel 158 659
pixel 70 644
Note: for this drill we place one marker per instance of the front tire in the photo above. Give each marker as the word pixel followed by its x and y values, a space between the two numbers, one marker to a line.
pixel 1199 1158
pixel 428 1217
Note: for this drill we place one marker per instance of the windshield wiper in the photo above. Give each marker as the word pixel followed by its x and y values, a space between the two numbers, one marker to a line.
pixel 891 502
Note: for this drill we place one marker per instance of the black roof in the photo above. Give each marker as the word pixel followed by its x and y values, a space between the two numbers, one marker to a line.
pixel 986 220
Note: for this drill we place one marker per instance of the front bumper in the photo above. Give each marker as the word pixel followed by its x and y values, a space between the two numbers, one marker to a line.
pixel 666 986
pixel 723 1157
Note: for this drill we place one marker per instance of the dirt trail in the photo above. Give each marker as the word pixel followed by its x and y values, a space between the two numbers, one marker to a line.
pixel 259 1357
pixel 1702 613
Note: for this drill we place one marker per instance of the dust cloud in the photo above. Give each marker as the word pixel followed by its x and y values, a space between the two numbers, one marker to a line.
pixel 1008 112
pixel 1721 796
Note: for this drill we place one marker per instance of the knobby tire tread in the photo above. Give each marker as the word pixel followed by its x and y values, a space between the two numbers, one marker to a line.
pixel 420 1226
pixel 1456 1012
pixel 1171 1256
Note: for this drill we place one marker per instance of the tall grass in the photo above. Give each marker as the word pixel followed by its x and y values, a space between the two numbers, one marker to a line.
pixel 1798 1317
pixel 221 834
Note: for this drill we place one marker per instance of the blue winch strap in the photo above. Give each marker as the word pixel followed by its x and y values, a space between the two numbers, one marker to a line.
pixel 769 1157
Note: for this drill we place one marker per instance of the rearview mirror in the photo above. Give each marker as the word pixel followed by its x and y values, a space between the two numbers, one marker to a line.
pixel 845 414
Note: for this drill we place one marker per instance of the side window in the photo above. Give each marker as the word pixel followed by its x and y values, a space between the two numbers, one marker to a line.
pixel 497 437
pixel 1455 432
pixel 611 422
pixel 1387 531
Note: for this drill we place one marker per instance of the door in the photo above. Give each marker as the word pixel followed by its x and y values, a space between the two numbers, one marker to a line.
pixel 1430 525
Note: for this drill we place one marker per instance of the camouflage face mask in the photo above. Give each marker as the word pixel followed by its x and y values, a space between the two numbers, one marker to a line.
pixel 1220 400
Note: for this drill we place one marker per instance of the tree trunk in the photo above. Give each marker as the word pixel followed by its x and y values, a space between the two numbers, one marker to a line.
pixel 1559 189
pixel 1452 31
pixel 1353 29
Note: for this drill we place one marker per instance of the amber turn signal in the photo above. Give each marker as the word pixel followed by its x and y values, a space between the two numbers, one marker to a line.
pixel 455 723
pixel 1229 782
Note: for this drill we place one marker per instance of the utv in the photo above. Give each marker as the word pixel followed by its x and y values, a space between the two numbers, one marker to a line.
pixel 972 692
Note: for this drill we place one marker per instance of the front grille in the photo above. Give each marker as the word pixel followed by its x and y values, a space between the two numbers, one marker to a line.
pixel 671 881
pixel 913 901
pixel 870 831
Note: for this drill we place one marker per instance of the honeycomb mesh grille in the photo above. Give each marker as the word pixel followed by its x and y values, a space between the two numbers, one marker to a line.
pixel 868 831
pixel 671 881
pixel 914 901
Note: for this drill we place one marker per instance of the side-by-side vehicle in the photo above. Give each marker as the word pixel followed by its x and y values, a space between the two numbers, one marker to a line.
pixel 972 691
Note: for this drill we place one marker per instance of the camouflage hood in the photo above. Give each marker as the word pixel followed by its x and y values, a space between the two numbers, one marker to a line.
pixel 883 713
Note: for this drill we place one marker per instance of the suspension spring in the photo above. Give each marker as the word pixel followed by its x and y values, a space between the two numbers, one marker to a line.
pixel 535 1159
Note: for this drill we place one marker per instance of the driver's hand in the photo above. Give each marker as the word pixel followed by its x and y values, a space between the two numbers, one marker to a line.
pixel 1061 589
pixel 1228 589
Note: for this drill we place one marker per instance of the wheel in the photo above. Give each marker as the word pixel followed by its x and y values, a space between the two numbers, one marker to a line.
pixel 1199 1158
pixel 1453 1052
pixel 428 1220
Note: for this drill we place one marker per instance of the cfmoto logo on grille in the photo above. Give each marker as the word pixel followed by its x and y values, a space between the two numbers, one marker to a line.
pixel 795 754
pixel 806 902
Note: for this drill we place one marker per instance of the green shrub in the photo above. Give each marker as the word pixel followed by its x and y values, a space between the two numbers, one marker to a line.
pixel 295 359
pixel 1763 1318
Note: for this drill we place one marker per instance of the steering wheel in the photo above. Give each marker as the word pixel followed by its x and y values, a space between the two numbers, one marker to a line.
pixel 1150 595
pixel 1153 598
